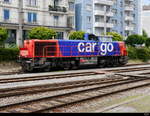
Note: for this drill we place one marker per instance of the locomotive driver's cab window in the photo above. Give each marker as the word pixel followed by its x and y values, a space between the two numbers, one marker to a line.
pixel 93 37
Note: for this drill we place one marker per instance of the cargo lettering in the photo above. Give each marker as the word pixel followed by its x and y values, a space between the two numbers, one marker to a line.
pixel 86 47
pixel 104 48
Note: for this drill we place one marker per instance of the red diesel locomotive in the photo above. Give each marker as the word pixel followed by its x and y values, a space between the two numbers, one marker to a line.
pixel 46 54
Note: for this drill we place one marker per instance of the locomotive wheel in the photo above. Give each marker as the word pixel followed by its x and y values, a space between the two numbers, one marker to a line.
pixel 67 67
pixel 27 68
pixel 47 69
pixel 123 60
pixel 101 63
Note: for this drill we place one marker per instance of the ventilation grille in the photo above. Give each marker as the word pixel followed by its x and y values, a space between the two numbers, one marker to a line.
pixel 45 49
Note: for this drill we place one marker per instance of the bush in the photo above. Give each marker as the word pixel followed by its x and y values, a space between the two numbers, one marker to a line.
pixel 135 40
pixel 3 35
pixel 77 35
pixel 42 33
pixel 147 42
pixel 116 36
pixel 9 54
pixel 143 54
pixel 132 54
pixel 138 53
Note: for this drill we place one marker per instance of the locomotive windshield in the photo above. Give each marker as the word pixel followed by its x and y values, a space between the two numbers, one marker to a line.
pixel 93 37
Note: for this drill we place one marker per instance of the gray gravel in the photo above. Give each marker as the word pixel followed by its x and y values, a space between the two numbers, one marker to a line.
pixel 23 98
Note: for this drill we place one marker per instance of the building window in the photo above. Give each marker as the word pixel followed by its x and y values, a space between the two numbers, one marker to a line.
pixel 32 2
pixel 97 19
pixel 70 21
pixel 88 19
pixel 89 7
pixel 71 6
pixel 60 35
pixel 56 20
pixel 56 3
pixel 11 37
pixel 6 14
pixel 6 1
pixel 32 17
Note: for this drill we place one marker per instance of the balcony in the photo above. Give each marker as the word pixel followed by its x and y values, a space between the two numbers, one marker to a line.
pixel 102 13
pixel 129 18
pixel 129 8
pixel 131 28
pixel 105 2
pixel 102 24
pixel 7 21
pixel 57 9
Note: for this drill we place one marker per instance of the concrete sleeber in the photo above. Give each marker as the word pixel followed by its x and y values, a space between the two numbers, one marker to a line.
pixel 53 103
pixel 64 100
pixel 19 110
pixel 34 107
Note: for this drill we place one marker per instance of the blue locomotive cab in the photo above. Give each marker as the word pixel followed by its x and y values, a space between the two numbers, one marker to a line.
pixel 102 38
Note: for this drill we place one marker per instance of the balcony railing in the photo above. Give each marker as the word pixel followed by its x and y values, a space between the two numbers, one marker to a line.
pixel 57 8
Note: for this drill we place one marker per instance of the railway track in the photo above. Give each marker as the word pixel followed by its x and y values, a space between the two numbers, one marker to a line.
pixel 46 77
pixel 58 76
pixel 53 87
pixel 20 72
pixel 50 103
pixel 129 70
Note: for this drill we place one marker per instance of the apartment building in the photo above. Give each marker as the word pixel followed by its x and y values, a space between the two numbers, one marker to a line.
pixel 55 14
pixel 127 17
pixel 94 16
pixel 101 16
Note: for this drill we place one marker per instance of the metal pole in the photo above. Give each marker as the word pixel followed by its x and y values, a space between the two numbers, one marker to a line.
pixel 21 18
pixel 105 23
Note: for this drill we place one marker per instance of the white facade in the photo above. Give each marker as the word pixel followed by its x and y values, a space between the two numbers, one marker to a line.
pixel 102 14
pixel 146 20
pixel 127 17
pixel 94 16
pixel 56 14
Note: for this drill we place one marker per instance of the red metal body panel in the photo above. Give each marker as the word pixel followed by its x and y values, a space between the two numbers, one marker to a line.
pixel 28 51
pixel 123 49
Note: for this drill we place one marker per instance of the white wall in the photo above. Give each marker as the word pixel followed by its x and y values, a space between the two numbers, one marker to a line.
pixel 146 21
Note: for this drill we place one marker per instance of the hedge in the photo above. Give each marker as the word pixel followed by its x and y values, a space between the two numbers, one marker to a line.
pixel 9 54
pixel 142 54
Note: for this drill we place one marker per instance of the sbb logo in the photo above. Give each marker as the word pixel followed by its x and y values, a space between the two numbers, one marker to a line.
pixel 104 48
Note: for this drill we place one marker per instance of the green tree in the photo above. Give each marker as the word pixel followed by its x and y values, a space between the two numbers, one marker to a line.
pixel 77 35
pixel 147 39
pixel 3 35
pixel 145 34
pixel 116 36
pixel 135 40
pixel 147 42
pixel 41 33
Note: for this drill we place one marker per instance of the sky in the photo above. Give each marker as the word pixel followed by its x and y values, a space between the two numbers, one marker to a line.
pixel 146 2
